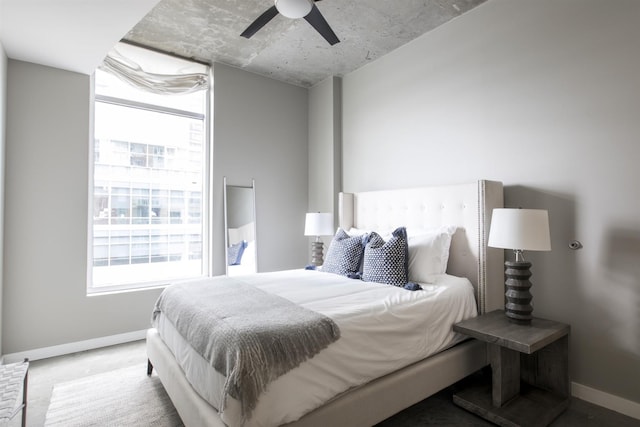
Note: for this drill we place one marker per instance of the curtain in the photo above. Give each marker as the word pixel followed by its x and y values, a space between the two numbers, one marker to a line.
pixel 162 84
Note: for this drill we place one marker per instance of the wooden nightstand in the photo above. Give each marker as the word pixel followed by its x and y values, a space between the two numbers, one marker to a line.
pixel 530 375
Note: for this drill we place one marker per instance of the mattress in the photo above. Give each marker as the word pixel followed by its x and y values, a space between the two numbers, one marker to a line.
pixel 383 328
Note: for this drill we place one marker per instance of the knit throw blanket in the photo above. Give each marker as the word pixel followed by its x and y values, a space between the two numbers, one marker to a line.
pixel 248 335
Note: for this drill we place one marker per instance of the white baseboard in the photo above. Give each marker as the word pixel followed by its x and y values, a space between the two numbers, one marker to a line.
pixel 606 400
pixel 74 347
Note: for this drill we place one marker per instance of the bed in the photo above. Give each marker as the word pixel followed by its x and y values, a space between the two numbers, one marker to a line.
pixel 467 207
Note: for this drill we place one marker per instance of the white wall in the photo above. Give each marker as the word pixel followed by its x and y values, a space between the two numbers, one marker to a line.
pixel 260 132
pixel 543 96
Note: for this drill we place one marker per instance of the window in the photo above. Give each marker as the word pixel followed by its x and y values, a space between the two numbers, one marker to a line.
pixel 149 182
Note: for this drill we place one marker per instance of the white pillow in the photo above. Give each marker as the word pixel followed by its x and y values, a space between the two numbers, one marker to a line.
pixel 429 253
pixel 357 231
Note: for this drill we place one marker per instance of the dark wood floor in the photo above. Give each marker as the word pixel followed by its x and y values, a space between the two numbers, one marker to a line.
pixel 439 410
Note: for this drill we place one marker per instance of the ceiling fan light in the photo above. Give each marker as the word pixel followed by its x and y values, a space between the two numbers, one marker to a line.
pixel 294 9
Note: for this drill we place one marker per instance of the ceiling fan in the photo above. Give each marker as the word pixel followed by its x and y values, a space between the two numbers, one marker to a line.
pixel 294 9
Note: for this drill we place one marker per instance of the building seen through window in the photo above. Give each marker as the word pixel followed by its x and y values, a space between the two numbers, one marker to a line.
pixel 149 184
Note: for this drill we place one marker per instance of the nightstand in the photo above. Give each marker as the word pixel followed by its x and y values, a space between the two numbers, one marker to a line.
pixel 529 364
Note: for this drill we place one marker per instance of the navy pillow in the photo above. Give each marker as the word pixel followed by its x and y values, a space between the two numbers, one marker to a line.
pixel 235 252
pixel 344 254
pixel 387 262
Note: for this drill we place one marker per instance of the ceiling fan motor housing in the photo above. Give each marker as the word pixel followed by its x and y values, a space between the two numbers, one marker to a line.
pixel 294 9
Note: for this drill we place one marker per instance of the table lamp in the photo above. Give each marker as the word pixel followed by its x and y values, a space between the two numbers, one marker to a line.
pixel 318 224
pixel 520 230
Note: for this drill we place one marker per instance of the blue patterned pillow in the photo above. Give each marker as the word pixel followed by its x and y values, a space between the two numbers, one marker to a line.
pixel 344 254
pixel 234 253
pixel 386 262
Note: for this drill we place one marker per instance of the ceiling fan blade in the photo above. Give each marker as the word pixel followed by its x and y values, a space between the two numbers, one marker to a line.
pixel 318 22
pixel 260 22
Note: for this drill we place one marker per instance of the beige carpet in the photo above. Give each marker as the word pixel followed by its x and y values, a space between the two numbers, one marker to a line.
pixel 125 397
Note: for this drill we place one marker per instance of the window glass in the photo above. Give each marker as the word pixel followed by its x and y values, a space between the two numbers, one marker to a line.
pixel 149 178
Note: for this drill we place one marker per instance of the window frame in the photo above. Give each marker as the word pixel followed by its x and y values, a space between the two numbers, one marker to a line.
pixel 207 189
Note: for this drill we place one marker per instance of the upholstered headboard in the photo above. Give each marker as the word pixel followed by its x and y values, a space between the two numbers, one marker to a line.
pixel 244 232
pixel 467 206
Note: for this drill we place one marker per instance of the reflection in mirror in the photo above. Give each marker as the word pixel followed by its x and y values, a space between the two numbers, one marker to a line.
pixel 240 229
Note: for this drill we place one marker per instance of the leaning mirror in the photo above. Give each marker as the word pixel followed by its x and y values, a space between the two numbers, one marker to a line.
pixel 240 228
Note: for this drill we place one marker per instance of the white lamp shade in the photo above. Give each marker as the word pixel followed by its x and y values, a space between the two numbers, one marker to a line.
pixel 523 229
pixel 318 224
pixel 294 9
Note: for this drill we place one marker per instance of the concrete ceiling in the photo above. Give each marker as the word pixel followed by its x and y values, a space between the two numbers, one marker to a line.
pixel 291 50
pixel 75 35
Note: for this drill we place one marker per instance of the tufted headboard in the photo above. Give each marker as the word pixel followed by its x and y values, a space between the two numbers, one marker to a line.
pixel 468 206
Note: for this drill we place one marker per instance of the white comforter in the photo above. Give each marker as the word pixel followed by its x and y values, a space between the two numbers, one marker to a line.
pixel 383 328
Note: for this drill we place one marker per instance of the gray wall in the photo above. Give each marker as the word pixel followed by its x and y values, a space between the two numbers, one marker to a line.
pixel 543 96
pixel 325 150
pixel 260 132
pixel 325 144
pixel 48 134
pixel 46 209
pixel 3 123
pixel 239 206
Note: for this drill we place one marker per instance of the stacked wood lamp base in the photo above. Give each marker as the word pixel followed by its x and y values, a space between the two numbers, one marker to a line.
pixel 518 307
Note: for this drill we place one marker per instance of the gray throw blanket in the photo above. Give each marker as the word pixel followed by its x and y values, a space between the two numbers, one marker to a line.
pixel 250 336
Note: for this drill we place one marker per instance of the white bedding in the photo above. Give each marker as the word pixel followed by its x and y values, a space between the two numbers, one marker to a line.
pixel 383 328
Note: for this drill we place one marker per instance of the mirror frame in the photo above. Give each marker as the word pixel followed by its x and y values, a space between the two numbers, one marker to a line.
pixel 226 221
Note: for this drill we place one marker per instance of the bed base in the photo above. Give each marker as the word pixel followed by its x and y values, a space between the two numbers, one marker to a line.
pixel 382 397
